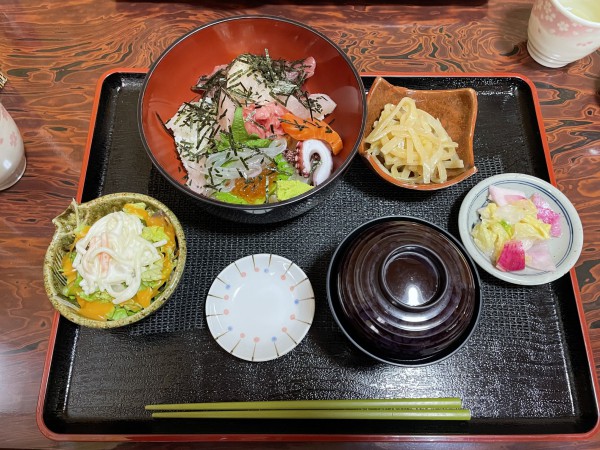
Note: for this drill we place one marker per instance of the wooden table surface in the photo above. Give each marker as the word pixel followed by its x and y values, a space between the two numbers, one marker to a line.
pixel 55 52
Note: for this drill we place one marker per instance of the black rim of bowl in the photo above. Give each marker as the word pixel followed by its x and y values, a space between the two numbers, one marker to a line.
pixel 257 209
pixel 334 301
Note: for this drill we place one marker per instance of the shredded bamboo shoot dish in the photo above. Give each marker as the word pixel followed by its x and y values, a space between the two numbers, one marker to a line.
pixel 412 145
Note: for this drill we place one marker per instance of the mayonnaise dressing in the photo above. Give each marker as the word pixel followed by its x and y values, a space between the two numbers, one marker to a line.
pixel 113 255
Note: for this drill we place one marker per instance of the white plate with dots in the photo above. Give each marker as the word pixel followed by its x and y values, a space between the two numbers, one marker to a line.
pixel 260 307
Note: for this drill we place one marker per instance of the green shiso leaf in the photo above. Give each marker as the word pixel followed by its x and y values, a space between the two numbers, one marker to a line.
pixel 239 137
pixel 284 168
pixel 238 128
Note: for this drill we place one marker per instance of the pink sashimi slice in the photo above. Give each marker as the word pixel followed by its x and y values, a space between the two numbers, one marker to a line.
pixel 512 257
pixel 539 257
pixel 547 215
pixel 308 65
pixel 204 78
pixel 264 121
pixel 504 196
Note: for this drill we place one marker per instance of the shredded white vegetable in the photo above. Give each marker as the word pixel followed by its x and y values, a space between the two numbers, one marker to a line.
pixel 228 165
pixel 113 255
pixel 412 145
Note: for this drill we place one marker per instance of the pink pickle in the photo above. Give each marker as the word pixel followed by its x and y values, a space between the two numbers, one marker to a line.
pixel 503 196
pixel 512 257
pixel 547 215
pixel 539 257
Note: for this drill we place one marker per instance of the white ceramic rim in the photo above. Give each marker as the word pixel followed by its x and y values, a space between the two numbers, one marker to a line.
pixel 477 197
pixel 260 307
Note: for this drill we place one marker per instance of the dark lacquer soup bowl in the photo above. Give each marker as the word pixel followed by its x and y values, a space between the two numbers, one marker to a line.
pixel 404 291
pixel 169 82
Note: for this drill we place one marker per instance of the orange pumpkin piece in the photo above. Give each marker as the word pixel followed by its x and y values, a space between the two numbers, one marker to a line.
pixel 144 297
pixel 68 270
pixel 95 310
pixel 304 129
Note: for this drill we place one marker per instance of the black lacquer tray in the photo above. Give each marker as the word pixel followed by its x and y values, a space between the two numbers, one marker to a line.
pixel 525 373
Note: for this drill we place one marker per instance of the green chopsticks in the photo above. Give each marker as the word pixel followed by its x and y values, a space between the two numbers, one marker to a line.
pixel 449 408
pixel 369 414
pixel 404 403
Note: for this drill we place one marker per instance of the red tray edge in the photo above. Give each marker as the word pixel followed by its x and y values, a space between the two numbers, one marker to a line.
pixel 322 437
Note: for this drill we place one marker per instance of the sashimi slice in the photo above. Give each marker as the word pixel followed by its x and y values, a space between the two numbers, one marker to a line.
pixel 204 78
pixel 246 85
pixel 308 66
pixel 304 129
pixel 539 257
pixel 264 121
pixel 324 105
pixel 196 179
pixel 225 112
pixel 191 136
pixel 512 257
pixel 503 196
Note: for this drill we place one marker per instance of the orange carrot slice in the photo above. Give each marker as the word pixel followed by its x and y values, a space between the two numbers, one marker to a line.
pixel 303 129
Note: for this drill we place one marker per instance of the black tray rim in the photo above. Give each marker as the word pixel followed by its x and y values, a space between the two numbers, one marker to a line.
pixel 483 438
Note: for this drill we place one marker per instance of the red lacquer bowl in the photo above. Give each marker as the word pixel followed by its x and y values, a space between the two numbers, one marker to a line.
pixel 169 81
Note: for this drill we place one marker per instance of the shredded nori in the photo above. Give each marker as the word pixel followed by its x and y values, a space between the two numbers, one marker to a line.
pixel 282 79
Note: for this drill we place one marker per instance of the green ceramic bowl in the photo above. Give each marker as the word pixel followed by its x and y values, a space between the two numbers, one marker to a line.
pixel 88 213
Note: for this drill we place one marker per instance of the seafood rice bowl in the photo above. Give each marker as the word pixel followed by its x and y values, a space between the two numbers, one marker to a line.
pixel 258 127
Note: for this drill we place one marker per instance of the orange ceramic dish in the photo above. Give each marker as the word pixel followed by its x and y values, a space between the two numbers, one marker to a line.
pixel 455 108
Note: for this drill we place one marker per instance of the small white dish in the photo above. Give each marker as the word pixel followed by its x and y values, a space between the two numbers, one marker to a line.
pixel 260 307
pixel 565 249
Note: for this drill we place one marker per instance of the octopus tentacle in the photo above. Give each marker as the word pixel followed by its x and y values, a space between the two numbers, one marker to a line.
pixel 310 151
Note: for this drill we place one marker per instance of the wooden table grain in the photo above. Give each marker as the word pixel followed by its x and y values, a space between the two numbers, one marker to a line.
pixel 55 52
